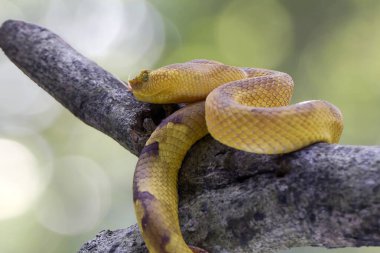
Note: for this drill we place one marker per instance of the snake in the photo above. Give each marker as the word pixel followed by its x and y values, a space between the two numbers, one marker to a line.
pixel 245 108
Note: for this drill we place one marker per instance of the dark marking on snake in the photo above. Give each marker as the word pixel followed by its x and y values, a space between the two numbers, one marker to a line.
pixel 135 190
pixel 176 118
pixel 164 241
pixel 151 149
pixel 146 199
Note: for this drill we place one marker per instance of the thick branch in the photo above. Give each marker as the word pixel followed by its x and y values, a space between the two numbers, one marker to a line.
pixel 231 201
pixel 88 91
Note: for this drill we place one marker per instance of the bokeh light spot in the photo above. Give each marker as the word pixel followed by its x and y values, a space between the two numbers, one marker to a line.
pixel 141 41
pixel 255 33
pixel 19 179
pixel 97 24
pixel 77 198
pixel 22 104
pixel 10 10
pixel 342 67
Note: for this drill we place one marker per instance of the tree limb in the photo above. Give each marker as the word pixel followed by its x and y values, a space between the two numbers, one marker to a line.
pixel 231 201
pixel 88 91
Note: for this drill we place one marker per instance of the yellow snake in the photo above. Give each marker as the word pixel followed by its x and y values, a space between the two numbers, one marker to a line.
pixel 245 108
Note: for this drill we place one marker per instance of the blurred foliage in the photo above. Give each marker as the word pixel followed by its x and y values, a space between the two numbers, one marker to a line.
pixel 81 179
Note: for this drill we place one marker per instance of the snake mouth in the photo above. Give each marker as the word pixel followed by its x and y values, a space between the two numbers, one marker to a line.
pixel 128 85
pixel 157 97
pixel 139 81
pixel 141 91
pixel 134 84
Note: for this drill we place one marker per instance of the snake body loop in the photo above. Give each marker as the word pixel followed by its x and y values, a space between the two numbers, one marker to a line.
pixel 245 108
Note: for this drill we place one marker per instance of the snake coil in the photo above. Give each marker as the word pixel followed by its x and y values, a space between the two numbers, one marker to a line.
pixel 245 108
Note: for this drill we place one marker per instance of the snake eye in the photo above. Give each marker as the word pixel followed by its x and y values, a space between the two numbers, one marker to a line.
pixel 145 76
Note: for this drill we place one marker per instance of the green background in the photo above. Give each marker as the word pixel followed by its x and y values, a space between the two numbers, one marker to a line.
pixel 61 181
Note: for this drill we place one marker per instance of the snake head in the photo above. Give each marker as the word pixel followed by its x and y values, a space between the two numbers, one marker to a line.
pixel 145 87
pixel 177 83
pixel 139 81
pixel 148 86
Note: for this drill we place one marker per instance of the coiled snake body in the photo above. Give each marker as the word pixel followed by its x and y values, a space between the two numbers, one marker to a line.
pixel 245 108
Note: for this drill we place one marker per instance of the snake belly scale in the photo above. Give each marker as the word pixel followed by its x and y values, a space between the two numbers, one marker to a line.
pixel 245 108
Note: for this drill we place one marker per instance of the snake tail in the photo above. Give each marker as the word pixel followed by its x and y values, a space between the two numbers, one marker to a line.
pixel 157 172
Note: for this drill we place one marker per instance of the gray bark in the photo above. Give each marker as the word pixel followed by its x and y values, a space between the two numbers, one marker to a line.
pixel 230 201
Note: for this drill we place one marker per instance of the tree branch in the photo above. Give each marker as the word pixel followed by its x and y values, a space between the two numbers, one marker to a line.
pixel 231 201
pixel 88 91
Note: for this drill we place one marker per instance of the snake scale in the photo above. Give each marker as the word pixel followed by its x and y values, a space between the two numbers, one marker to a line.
pixel 245 108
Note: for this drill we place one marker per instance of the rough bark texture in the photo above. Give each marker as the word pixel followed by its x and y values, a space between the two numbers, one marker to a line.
pixel 88 91
pixel 231 201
